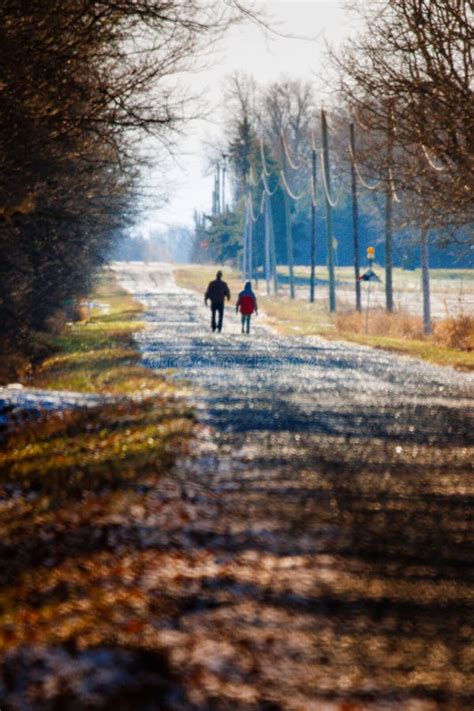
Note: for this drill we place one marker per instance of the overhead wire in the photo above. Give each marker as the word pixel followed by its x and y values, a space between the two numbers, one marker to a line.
pixel 250 206
pixel 392 186
pixel 269 192
pixel 356 115
pixel 282 180
pixel 251 178
pixel 265 170
pixel 331 201
pixel 291 163
pixel 359 175
pixel 288 189
pixel 439 168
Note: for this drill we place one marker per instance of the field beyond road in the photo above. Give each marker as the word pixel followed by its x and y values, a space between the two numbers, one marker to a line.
pixel 402 332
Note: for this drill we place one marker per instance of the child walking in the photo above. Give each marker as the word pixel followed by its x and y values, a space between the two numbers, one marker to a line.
pixel 247 303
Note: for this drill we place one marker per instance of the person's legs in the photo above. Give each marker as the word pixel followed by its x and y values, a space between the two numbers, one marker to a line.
pixel 248 323
pixel 213 319
pixel 243 322
pixel 220 310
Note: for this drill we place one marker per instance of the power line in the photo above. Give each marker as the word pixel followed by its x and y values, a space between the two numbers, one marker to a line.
pixel 375 186
pixel 291 163
pixel 265 170
pixel 439 168
pixel 288 189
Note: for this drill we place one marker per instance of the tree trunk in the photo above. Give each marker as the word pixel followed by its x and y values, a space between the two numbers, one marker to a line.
pixel 289 236
pixel 330 237
pixel 425 282
pixel 313 229
pixel 355 223
pixel 273 262
pixel 267 254
pixel 245 245
pixel 389 215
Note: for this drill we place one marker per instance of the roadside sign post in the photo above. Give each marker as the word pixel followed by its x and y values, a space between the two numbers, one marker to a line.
pixel 368 277
pixel 367 310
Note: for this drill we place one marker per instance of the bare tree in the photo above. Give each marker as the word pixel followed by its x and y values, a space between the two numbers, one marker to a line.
pixel 81 82
pixel 413 67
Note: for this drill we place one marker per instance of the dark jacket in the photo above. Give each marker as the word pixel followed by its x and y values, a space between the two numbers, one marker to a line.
pixel 217 291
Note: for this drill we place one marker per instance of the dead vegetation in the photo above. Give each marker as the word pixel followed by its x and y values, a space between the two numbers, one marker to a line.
pixel 381 323
pixel 457 333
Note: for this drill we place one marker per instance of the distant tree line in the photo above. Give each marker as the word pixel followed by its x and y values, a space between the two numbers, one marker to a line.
pixel 172 245
pixel 80 81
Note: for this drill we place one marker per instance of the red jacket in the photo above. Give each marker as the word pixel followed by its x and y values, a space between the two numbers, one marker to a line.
pixel 247 303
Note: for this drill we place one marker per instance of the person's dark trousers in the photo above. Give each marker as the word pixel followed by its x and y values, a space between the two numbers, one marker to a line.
pixel 246 323
pixel 219 310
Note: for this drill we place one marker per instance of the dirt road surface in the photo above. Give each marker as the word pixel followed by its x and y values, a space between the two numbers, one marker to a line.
pixel 325 552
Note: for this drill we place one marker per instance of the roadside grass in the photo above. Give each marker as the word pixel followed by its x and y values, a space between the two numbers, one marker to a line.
pixel 97 355
pixel 64 479
pixel 83 451
pixel 452 342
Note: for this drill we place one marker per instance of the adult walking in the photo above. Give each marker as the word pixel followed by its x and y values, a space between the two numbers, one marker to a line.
pixel 217 291
pixel 247 303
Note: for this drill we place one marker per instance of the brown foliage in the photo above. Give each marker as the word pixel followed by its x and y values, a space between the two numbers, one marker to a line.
pixel 75 99
pixel 456 333
pixel 397 325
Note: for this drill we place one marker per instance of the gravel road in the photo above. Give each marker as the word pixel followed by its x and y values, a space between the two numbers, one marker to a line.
pixel 326 549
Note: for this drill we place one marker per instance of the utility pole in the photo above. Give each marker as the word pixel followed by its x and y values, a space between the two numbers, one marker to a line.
pixel 389 215
pixel 267 245
pixel 289 236
pixel 224 170
pixel 245 245
pixel 425 281
pixel 313 228
pixel 330 236
pixel 218 189
pixel 355 221
pixel 250 249
pixel 273 261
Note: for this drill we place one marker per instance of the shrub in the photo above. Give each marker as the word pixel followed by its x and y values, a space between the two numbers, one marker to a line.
pixel 381 323
pixel 456 332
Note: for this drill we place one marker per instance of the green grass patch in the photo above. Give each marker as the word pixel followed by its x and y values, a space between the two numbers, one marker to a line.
pixel 106 443
pixel 84 450
pixel 98 354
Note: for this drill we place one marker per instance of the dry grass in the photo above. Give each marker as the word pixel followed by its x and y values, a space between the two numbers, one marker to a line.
pixel 296 318
pixel 457 333
pixel 381 323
